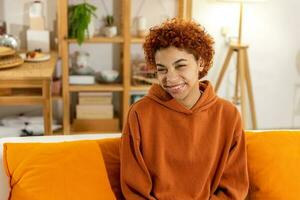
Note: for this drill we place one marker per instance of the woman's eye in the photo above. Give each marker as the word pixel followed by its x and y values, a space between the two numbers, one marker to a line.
pixel 180 66
pixel 161 70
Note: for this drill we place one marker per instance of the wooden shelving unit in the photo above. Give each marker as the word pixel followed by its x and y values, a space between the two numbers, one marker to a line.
pixel 57 97
pixel 137 40
pixel 97 88
pixel 117 39
pixel 125 40
pixel 139 88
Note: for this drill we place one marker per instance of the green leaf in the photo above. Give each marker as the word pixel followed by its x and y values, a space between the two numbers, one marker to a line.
pixel 79 17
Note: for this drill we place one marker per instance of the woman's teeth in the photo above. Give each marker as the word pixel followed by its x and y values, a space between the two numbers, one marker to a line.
pixel 175 88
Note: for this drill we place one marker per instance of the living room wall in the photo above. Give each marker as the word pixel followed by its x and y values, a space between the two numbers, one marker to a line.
pixel 272 31
pixel 1 10
pixel 270 28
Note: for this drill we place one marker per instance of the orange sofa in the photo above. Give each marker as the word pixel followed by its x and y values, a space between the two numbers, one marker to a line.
pixel 273 164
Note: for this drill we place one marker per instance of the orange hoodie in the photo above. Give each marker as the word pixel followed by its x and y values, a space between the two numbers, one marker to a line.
pixel 169 152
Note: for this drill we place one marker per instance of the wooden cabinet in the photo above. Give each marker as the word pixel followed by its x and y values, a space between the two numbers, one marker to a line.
pixel 125 40
pixel 30 84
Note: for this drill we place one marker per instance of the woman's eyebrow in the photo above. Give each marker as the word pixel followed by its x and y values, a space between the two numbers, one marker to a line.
pixel 161 65
pixel 179 60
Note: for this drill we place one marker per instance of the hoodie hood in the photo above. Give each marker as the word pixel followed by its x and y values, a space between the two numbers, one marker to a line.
pixel 207 99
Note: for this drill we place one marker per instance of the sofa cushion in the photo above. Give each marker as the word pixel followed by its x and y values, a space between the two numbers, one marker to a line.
pixel 67 170
pixel 110 149
pixel 4 180
pixel 273 165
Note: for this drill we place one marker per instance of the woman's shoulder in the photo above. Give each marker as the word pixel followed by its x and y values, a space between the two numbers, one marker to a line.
pixel 230 114
pixel 142 104
pixel 227 107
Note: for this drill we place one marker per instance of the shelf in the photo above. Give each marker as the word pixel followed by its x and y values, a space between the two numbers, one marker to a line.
pixel 21 100
pixel 95 126
pixel 56 97
pixel 117 39
pixel 74 132
pixel 58 132
pixel 99 39
pixel 96 87
pixel 145 88
pixel 137 40
pixel 32 93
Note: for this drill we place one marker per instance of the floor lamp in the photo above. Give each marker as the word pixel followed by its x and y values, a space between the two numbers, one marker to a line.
pixel 243 78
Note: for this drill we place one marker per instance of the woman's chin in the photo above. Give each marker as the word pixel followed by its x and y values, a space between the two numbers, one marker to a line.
pixel 178 95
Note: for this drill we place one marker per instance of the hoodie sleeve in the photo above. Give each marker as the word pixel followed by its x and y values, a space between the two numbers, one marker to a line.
pixel 234 182
pixel 136 181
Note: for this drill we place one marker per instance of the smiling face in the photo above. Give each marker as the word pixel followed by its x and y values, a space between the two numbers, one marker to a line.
pixel 177 73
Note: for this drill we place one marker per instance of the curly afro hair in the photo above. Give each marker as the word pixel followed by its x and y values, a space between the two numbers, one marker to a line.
pixel 182 34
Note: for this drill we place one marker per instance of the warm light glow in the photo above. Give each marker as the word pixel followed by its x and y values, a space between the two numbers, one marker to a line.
pixel 244 1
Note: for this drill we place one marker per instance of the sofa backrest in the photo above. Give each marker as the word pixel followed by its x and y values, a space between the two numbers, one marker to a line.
pixel 273 164
pixel 110 149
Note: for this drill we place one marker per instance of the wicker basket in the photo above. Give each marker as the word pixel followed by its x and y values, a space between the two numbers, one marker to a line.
pixel 10 61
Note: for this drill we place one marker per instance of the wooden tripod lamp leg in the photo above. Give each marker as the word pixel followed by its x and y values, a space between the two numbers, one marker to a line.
pixel 249 89
pixel 242 85
pixel 236 92
pixel 224 68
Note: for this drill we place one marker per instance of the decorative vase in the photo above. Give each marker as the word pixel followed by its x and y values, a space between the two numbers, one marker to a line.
pixel 36 9
pixel 110 31
pixel 141 26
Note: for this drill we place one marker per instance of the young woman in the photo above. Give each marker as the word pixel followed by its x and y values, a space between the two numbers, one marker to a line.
pixel 181 141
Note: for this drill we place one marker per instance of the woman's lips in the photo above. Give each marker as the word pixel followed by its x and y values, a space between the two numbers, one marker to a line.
pixel 174 89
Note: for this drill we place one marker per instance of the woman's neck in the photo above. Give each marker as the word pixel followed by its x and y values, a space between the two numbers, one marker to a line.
pixel 191 99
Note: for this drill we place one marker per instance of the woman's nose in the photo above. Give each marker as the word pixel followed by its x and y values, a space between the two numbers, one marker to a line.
pixel 171 75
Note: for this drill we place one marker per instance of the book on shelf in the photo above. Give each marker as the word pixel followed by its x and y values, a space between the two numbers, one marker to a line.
pixel 90 100
pixel 82 79
pixel 95 111
pixel 5 92
pixel 95 94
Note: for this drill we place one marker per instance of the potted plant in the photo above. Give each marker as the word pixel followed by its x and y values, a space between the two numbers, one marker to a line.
pixel 110 30
pixel 80 18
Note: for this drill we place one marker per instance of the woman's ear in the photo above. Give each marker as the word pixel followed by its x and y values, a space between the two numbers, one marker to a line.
pixel 200 64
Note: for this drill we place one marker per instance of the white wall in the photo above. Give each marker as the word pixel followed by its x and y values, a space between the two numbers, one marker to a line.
pixel 272 30
pixel 1 10
pixel 16 14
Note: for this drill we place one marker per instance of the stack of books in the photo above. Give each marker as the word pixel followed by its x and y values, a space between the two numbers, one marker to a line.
pixel 95 105
pixel 95 112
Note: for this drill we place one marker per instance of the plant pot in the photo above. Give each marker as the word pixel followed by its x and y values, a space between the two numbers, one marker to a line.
pixel 110 31
pixel 90 32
